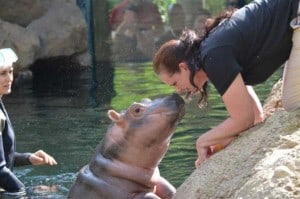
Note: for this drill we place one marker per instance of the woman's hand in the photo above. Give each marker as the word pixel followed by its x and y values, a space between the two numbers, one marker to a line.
pixel 40 157
pixel 203 154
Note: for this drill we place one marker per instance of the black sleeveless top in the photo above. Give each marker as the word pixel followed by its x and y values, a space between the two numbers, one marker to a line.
pixel 255 42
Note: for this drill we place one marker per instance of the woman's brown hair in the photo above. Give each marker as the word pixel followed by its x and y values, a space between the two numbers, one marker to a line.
pixel 187 49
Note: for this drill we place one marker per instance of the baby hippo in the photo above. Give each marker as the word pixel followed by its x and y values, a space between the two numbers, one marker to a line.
pixel 125 163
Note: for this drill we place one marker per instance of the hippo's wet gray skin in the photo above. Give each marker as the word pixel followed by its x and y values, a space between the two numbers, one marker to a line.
pixel 125 163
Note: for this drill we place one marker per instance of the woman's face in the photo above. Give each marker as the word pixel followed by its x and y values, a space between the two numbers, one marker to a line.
pixel 180 80
pixel 6 79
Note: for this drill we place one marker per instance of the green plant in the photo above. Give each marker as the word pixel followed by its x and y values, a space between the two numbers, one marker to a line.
pixel 214 6
pixel 163 7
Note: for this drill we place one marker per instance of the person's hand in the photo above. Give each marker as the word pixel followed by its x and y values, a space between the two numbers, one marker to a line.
pixel 40 157
pixel 205 152
pixel 203 155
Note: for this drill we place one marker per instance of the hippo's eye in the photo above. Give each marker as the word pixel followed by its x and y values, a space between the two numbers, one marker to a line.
pixel 137 109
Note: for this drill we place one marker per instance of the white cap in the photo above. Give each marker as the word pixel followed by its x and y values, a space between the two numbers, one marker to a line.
pixel 7 57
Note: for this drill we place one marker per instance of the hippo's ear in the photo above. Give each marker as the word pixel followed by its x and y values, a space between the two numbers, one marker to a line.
pixel 114 116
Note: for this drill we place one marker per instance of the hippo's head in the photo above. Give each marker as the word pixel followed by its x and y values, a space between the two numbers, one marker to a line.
pixel 146 125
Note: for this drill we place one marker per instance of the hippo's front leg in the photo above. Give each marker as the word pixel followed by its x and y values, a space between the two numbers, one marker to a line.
pixel 164 189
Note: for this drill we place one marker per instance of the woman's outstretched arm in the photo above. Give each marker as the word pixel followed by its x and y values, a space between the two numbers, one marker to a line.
pixel 239 105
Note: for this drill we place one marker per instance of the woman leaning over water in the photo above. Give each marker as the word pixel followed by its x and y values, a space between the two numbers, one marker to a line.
pixel 238 49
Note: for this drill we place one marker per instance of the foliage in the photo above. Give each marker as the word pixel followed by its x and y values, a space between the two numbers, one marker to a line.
pixel 163 7
pixel 113 3
pixel 216 6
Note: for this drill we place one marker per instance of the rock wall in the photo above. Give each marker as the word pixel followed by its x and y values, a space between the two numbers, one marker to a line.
pixel 39 29
pixel 263 162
